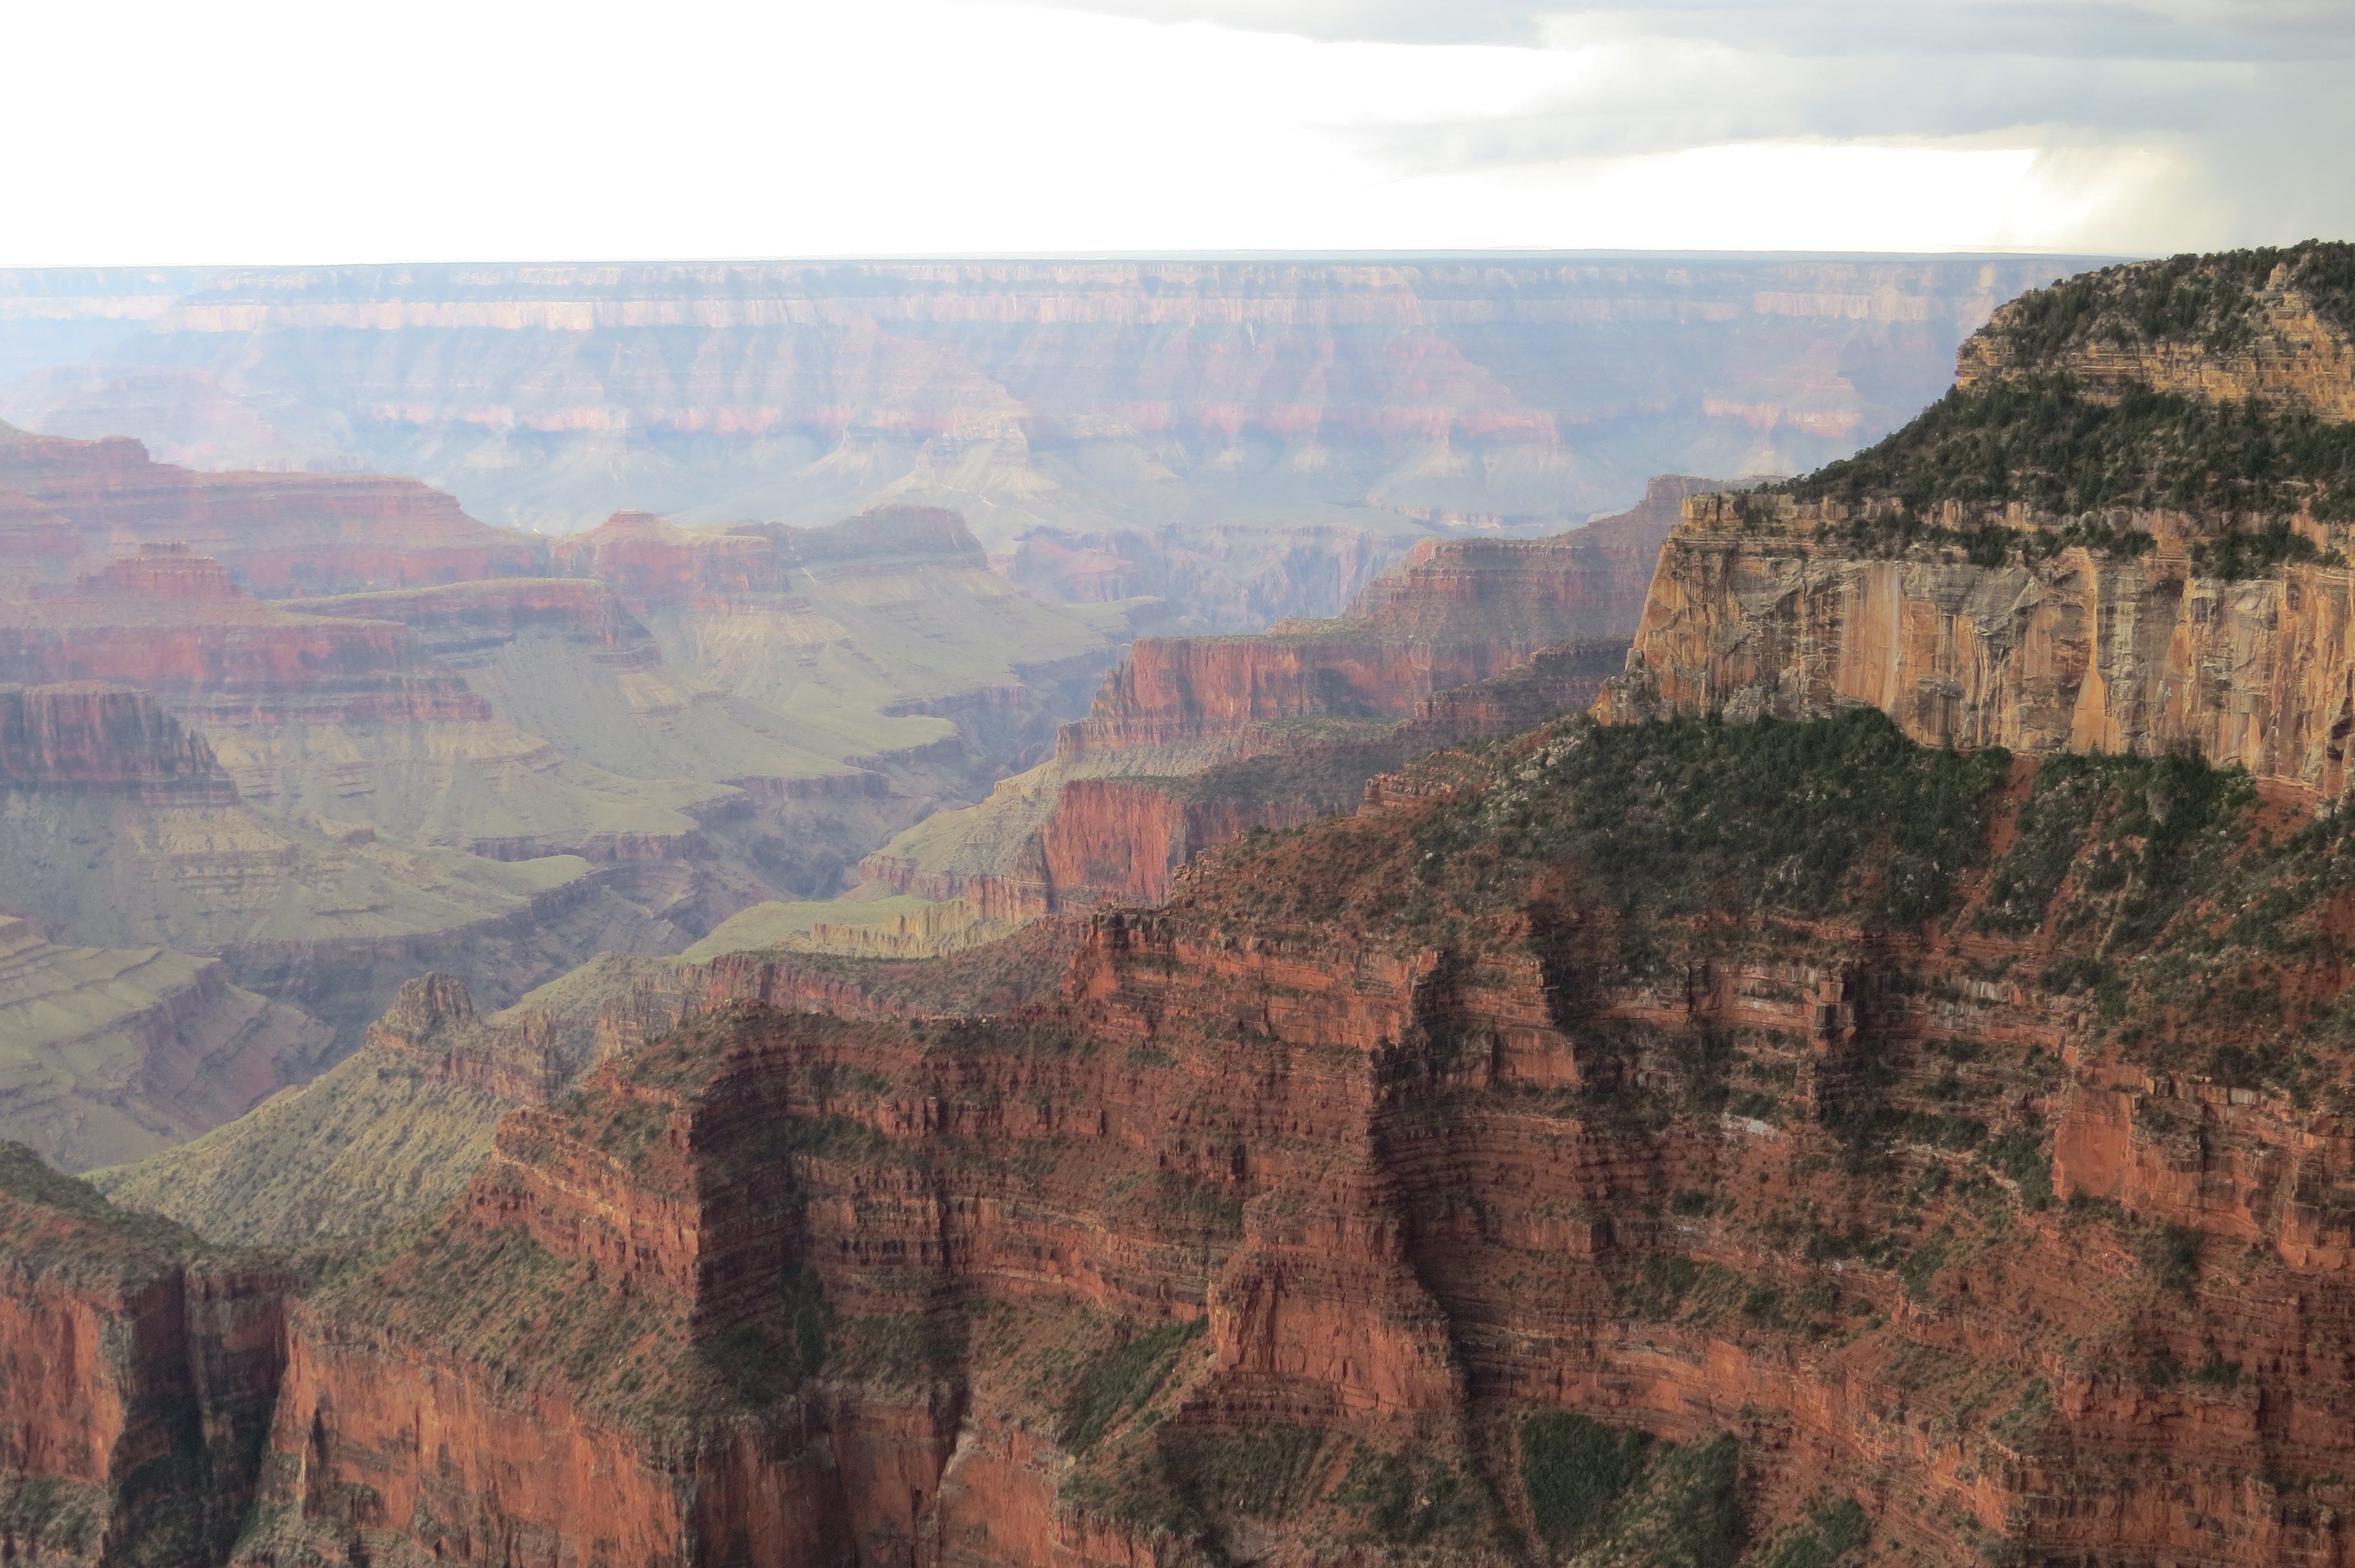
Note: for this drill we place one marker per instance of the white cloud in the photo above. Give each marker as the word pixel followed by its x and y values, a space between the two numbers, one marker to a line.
pixel 285 133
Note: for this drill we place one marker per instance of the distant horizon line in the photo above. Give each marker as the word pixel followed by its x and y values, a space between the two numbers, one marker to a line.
pixel 1990 253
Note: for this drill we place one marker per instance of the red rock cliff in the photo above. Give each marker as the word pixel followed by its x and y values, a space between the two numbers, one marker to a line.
pixel 1459 611
pixel 173 623
pixel 138 1376
pixel 89 736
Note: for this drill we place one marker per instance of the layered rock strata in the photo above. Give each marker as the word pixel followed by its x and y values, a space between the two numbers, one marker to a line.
pixel 141 1368
pixel 2126 531
pixel 1248 439
pixel 1192 741
pixel 278 533
pixel 1333 1182
pixel 108 1054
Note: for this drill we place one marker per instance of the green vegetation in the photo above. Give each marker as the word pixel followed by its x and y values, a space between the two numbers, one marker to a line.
pixel 1408 1497
pixel 2043 441
pixel 1842 815
pixel 2038 435
pixel 1684 1514
pixel 1887 534
pixel 1834 1532
pixel 2018 1427
pixel 1259 1472
pixel 66 1226
pixel 2151 832
pixel 2171 1254
pixel 1119 1382
pixel 2193 299
pixel 1575 1471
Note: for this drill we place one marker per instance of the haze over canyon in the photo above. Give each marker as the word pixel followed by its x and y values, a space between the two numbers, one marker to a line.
pixel 1246 438
pixel 1576 912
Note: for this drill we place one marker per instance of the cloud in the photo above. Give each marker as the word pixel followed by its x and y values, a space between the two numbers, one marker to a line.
pixel 2155 125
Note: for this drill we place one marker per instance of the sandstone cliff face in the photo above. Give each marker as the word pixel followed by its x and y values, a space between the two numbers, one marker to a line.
pixel 2124 530
pixel 1753 613
pixel 1333 1171
pixel 138 1370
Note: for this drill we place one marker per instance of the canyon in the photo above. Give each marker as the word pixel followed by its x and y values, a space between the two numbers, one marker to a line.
pixel 1246 439
pixel 1288 1220
pixel 1193 741
pixel 1843 1060
pixel 309 737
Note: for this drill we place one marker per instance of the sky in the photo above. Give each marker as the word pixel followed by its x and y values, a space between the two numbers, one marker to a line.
pixel 451 129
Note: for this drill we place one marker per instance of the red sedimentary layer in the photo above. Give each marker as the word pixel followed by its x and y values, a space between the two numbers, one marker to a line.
pixel 87 736
pixel 1460 611
pixel 173 623
pixel 132 1373
pixel 650 562
pixel 281 532
pixel 1420 1230
pixel 1123 840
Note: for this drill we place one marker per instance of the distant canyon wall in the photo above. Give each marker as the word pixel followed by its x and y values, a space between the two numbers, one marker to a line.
pixel 1249 438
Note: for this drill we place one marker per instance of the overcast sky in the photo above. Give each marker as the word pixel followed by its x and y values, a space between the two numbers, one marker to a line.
pixel 476 129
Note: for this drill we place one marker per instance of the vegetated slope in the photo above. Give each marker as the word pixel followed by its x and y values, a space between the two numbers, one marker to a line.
pixel 107 1055
pixel 394 1132
pixel 354 794
pixel 1248 439
pixel 2126 528
pixel 1191 741
pixel 1935 1154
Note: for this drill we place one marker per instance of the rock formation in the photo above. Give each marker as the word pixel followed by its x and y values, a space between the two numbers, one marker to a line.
pixel 278 533
pixel 141 1370
pixel 2157 586
pixel 1193 741
pixel 1190 429
pixel 109 1055
pixel 352 764
pixel 1812 1115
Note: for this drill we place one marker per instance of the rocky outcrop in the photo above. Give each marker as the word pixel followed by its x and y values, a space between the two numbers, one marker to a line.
pixel 2124 531
pixel 1454 614
pixel 1753 613
pixel 277 532
pixel 1100 1279
pixel 1332 1170
pixel 173 623
pixel 109 1055
pixel 140 1371
pixel 2270 325
pixel 88 735
pixel 1193 741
